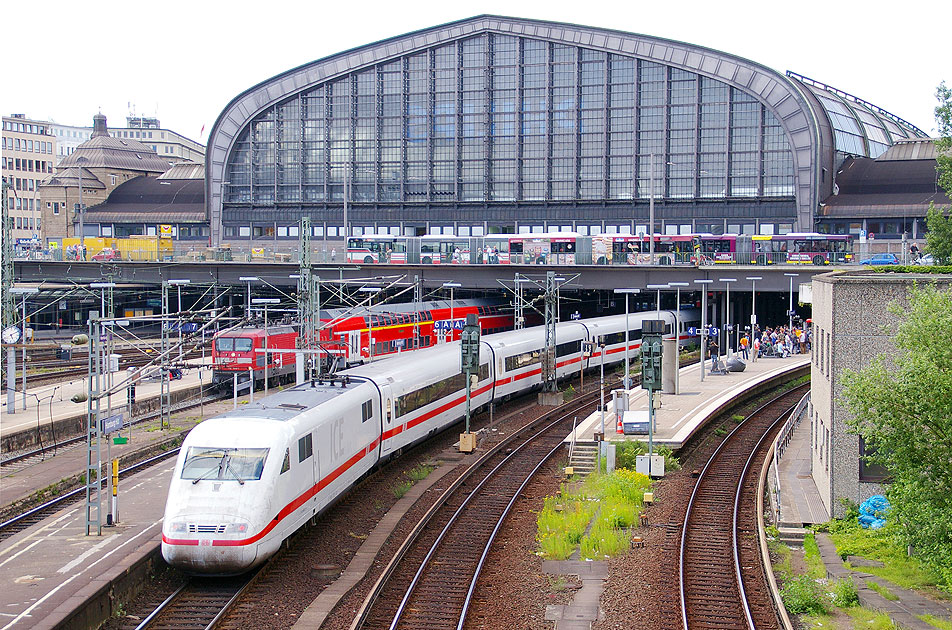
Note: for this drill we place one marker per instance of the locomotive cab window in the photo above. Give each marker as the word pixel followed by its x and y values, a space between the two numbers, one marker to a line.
pixel 233 344
pixel 286 464
pixel 305 447
pixel 367 411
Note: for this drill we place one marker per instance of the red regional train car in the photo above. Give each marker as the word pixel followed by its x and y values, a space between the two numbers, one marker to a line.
pixel 346 337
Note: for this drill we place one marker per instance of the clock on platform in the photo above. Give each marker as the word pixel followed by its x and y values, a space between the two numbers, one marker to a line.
pixel 11 334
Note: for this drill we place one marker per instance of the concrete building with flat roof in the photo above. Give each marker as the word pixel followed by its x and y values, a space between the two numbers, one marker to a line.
pixel 29 150
pixel 851 326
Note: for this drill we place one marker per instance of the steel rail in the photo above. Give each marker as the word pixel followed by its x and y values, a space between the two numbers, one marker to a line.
pixel 370 600
pixel 684 530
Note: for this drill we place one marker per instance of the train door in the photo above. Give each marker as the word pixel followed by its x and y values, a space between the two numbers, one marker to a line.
pixel 353 346
pixel 316 468
pixel 387 418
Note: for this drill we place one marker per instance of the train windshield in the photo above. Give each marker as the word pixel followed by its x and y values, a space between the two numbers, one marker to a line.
pixel 233 344
pixel 233 464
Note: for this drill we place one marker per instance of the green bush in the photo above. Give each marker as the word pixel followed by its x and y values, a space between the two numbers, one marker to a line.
pixel 420 472
pixel 603 541
pixel 401 488
pixel 843 593
pixel 801 595
pixel 625 453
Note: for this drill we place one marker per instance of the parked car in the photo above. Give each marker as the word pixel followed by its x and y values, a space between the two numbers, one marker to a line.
pixel 881 259
pixel 925 259
pixel 106 254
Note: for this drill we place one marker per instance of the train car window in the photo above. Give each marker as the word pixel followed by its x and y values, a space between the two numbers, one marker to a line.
pixel 243 344
pixel 305 447
pixel 522 360
pixel 366 411
pixel 225 344
pixel 286 464
pixel 569 347
pixel 235 464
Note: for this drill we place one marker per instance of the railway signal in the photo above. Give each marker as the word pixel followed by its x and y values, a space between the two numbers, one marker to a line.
pixel 469 364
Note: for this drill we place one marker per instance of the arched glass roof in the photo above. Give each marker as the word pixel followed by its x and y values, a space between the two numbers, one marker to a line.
pixel 859 128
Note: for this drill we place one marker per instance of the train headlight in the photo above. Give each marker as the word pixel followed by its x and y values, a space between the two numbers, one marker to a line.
pixel 237 528
pixel 178 528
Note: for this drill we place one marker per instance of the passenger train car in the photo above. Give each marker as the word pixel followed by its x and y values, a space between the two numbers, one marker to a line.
pixel 246 480
pixel 352 338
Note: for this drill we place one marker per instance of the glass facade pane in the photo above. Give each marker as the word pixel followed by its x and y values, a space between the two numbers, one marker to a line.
pixel 501 117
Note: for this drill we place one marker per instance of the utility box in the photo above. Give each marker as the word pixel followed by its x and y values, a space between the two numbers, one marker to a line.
pixel 620 405
pixel 467 442
pixel 636 422
pixel 651 465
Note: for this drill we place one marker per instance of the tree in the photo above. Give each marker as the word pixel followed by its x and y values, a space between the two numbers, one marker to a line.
pixel 939 235
pixel 938 226
pixel 902 405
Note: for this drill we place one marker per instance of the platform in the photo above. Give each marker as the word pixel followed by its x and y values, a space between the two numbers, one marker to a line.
pixel 681 415
pixel 51 403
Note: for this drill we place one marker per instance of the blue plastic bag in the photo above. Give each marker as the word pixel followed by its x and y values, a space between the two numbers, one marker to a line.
pixel 872 512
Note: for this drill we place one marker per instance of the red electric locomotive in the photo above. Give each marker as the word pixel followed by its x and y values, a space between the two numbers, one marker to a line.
pixel 234 352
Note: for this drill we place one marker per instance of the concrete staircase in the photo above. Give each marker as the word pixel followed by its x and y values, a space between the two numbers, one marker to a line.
pixel 584 457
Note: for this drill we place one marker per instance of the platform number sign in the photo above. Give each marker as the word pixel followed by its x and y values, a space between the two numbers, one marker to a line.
pixel 469 346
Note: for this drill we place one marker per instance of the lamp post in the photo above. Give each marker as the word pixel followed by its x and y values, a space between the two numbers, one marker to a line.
pixel 23 292
pixel 677 335
pixel 249 280
pixel 727 305
pixel 266 301
pixel 102 304
pixel 790 309
pixel 703 284
pixel 627 292
pixel 753 302
pixel 451 286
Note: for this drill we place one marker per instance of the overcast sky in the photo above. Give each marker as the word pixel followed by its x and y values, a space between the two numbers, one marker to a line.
pixel 184 61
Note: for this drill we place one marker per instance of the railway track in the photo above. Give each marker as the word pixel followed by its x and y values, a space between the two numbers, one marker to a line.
pixel 198 604
pixel 35 515
pixel 722 579
pixel 431 580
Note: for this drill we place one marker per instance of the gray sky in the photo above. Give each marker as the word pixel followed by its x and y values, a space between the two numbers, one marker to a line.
pixel 184 61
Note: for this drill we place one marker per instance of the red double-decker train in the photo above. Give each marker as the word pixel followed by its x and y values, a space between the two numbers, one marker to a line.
pixel 350 337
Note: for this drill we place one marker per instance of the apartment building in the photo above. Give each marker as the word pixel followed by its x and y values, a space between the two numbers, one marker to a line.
pixel 29 150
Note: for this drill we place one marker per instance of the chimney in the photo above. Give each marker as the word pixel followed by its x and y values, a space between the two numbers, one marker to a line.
pixel 99 126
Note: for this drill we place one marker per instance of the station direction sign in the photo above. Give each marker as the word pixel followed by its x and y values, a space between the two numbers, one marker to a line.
pixel 711 331
pixel 449 324
pixel 111 424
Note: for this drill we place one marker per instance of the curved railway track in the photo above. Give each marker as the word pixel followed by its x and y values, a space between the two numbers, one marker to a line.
pixel 721 577
pixel 430 581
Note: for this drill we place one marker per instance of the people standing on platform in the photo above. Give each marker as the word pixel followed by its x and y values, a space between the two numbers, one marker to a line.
pixel 744 343
pixel 756 349
pixel 712 350
pixel 333 254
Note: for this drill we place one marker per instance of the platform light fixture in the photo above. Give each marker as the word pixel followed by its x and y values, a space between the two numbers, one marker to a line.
pixel 249 280
pixel 451 286
pixel 727 300
pixel 753 303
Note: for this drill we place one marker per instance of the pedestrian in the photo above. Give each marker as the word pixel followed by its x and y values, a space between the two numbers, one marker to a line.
pixel 744 343
pixel 756 348
pixel 712 349
pixel 914 252
pixel 333 254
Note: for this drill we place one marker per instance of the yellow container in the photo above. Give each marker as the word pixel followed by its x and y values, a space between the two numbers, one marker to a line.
pixel 145 248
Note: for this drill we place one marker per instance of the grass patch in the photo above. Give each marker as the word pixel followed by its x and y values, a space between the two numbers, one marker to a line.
pixel 401 488
pixel 720 431
pixel 419 473
pixel 568 394
pixel 738 418
pixel 870 620
pixel 884 545
pixel 610 503
pixel 882 590
pixel 811 555
pixel 936 622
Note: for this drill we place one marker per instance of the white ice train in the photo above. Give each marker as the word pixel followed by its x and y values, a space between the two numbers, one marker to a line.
pixel 246 480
